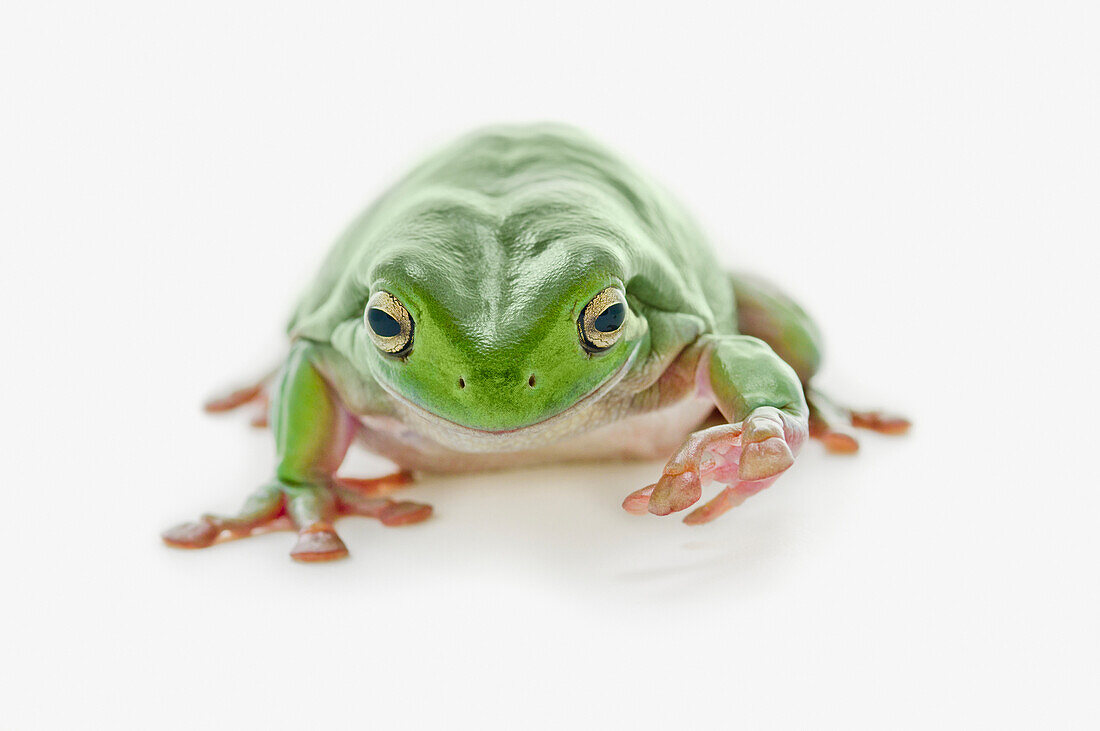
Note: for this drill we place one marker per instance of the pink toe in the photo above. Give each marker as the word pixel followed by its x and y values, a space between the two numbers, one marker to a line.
pixel 637 502
pixel 675 492
pixel 764 459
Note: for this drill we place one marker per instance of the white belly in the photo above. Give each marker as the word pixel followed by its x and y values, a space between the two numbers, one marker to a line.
pixel 650 435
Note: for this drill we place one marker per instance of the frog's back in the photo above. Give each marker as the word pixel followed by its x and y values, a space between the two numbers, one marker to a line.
pixel 528 182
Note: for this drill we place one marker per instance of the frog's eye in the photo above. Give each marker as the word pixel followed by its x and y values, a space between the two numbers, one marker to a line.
pixel 601 322
pixel 389 324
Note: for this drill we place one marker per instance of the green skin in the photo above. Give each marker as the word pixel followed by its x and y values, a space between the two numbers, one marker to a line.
pixel 494 247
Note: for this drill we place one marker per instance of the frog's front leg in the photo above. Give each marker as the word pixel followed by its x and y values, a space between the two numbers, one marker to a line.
pixel 762 398
pixel 312 433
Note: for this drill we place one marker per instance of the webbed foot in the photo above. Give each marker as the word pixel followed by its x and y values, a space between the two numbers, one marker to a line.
pixel 368 497
pixel 311 509
pixel 746 457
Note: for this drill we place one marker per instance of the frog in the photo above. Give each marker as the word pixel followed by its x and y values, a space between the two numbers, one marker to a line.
pixel 526 296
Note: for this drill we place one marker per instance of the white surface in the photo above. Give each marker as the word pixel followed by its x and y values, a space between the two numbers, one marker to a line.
pixel 924 179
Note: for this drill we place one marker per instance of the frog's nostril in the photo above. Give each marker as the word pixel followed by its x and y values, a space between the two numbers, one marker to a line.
pixel 531 381
pixel 461 382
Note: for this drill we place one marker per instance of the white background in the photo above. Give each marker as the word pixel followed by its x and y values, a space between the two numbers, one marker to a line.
pixel 924 179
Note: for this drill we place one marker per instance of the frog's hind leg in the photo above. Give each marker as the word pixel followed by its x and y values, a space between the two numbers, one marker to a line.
pixel 829 422
pixel 765 312
pixel 312 432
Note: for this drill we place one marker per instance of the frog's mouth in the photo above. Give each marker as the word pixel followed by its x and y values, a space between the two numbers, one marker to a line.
pixel 465 438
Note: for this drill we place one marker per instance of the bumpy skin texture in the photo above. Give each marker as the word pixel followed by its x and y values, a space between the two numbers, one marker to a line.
pixel 494 247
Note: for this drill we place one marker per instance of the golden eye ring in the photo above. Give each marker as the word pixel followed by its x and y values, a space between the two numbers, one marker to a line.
pixel 388 323
pixel 601 322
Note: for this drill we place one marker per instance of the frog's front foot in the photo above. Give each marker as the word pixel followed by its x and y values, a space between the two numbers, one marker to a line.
pixel 309 509
pixel 745 457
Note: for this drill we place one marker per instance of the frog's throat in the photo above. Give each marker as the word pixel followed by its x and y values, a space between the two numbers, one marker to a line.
pixel 568 421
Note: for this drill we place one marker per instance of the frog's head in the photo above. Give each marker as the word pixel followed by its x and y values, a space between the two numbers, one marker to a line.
pixel 497 337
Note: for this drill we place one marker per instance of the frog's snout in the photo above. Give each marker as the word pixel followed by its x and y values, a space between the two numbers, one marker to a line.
pixel 494 401
pixel 531 381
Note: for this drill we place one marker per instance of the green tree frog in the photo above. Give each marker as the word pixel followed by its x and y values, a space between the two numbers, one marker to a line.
pixel 521 297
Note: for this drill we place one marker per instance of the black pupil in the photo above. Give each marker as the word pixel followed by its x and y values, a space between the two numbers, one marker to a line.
pixel 610 319
pixel 382 323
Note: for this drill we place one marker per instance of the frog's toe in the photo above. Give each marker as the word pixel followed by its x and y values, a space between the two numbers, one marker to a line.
pixel 769 439
pixel 405 512
pixel 881 422
pixel 675 492
pixel 236 399
pixel 765 459
pixel 839 442
pixel 368 497
pixel 637 502
pixel 711 510
pixel 728 498
pixel 198 534
pixel 367 487
pixel 318 543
